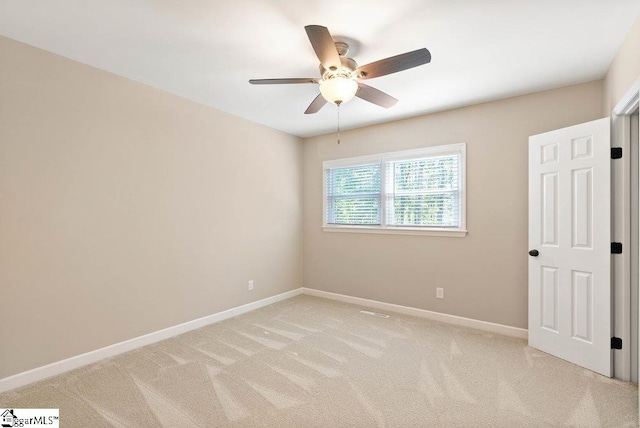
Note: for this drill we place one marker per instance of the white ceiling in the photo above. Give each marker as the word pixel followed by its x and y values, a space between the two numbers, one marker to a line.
pixel 207 50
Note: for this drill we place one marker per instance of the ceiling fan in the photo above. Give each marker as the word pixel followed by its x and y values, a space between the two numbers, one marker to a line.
pixel 340 75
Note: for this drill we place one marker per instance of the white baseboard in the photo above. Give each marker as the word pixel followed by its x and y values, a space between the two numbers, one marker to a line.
pixel 62 366
pixel 423 313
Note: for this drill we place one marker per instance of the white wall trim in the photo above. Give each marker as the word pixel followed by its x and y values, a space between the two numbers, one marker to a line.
pixel 68 364
pixel 451 233
pixel 65 365
pixel 629 101
pixel 423 313
pixel 621 228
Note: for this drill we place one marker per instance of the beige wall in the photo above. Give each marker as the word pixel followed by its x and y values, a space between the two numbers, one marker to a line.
pixel 484 275
pixel 125 210
pixel 624 70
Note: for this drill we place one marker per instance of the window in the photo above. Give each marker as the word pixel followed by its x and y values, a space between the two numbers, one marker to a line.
pixel 409 192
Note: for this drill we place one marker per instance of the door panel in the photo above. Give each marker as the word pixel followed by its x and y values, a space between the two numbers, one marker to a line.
pixel 582 306
pixel 550 298
pixel 550 209
pixel 581 208
pixel 569 225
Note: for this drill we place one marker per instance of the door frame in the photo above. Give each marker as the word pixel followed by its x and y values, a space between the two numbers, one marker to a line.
pixel 621 230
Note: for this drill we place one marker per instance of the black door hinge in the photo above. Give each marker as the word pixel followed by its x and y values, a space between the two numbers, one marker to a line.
pixel 616 152
pixel 616 248
pixel 616 343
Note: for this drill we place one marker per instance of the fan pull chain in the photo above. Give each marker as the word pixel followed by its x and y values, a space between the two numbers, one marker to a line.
pixel 338 123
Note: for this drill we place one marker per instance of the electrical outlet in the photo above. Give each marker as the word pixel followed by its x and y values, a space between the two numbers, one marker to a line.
pixel 251 285
pixel 440 293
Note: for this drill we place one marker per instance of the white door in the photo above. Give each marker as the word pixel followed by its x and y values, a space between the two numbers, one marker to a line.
pixel 570 245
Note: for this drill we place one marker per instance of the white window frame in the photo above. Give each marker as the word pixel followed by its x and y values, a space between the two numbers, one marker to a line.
pixel 383 158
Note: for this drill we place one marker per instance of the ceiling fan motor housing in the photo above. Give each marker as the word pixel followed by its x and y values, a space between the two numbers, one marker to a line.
pixel 348 66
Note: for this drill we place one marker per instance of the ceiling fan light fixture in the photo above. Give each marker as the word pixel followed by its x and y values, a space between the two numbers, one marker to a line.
pixel 338 89
pixel 341 75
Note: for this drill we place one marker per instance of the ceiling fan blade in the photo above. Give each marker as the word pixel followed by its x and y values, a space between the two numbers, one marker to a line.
pixel 394 64
pixel 324 46
pixel 316 105
pixel 375 96
pixel 283 81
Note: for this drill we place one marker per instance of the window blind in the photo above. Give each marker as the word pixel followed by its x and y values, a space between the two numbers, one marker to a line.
pixel 423 192
pixel 353 195
pixel 417 191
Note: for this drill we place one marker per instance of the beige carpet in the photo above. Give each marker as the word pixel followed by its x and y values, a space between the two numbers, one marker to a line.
pixel 310 362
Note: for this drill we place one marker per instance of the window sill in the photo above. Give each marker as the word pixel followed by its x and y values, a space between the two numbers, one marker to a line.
pixel 449 233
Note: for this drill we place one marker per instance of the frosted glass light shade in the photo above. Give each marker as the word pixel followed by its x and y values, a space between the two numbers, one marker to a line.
pixel 338 90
